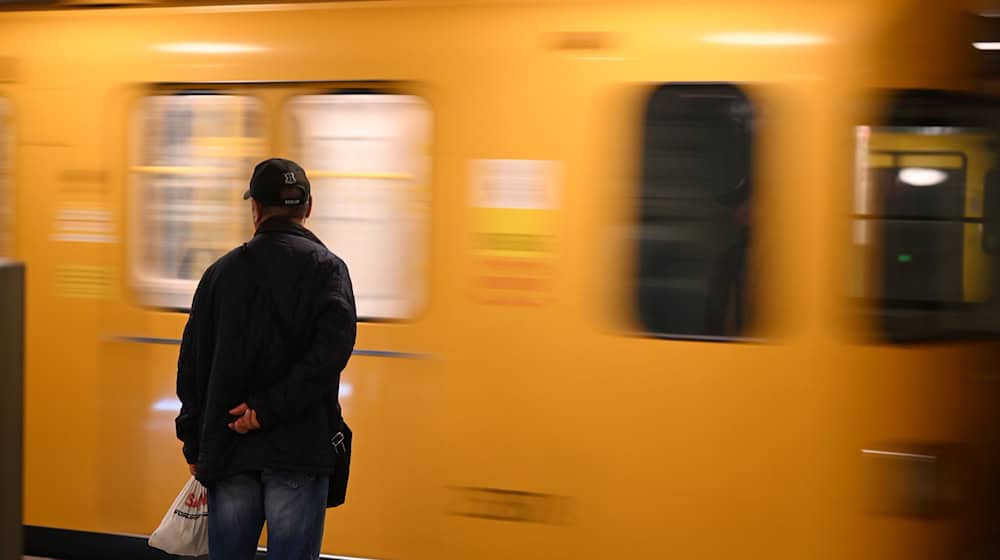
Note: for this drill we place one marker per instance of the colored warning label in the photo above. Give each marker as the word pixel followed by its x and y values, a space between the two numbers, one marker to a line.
pixel 514 206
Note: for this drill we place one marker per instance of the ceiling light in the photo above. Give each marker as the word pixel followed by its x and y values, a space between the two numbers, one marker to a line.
pixel 771 39
pixel 922 176
pixel 208 48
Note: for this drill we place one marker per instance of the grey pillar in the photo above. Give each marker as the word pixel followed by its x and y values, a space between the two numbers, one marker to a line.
pixel 11 406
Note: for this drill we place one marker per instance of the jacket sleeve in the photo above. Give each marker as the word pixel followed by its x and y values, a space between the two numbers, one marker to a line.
pixel 188 422
pixel 313 377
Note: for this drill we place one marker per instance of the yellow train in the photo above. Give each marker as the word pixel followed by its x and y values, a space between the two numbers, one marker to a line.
pixel 639 279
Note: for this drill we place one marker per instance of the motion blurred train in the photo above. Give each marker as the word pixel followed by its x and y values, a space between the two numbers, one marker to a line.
pixel 637 279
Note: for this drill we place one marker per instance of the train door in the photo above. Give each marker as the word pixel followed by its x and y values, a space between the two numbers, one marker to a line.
pixel 367 154
pixel 923 284
pixel 704 392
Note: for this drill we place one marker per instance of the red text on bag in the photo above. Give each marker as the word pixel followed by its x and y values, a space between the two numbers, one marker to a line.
pixel 195 499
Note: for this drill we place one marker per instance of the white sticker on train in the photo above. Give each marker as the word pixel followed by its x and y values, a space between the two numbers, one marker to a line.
pixel 84 226
pixel 514 183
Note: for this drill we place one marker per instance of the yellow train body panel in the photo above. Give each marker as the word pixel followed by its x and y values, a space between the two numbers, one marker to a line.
pixel 518 413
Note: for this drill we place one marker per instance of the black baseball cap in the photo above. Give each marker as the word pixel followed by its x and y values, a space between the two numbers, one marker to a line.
pixel 274 175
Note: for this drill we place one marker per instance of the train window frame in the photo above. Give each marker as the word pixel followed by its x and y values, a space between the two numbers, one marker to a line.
pixel 877 231
pixel 725 209
pixel 174 293
pixel 413 299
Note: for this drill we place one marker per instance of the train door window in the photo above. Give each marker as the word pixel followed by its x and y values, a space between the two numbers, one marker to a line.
pixel 367 158
pixel 6 193
pixel 922 247
pixel 694 230
pixel 191 157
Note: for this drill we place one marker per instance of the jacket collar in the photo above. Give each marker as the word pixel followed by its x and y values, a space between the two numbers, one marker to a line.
pixel 284 224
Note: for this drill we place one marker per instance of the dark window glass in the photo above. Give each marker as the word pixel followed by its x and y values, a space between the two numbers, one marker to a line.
pixel 694 230
pixel 921 233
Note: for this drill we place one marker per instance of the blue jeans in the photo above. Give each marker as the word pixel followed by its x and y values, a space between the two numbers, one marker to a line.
pixel 294 505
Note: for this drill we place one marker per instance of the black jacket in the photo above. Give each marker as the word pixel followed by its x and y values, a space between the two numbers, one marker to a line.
pixel 272 324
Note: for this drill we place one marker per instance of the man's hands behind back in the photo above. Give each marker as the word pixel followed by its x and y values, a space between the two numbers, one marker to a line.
pixel 247 420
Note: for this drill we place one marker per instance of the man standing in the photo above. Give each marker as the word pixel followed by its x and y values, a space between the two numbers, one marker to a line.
pixel 271 327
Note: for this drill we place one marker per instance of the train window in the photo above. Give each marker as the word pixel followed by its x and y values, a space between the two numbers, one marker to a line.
pixel 922 224
pixel 367 157
pixel 694 229
pixel 190 162
pixel 6 193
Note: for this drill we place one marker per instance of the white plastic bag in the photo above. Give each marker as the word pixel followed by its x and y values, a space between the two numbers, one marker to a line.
pixel 184 529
